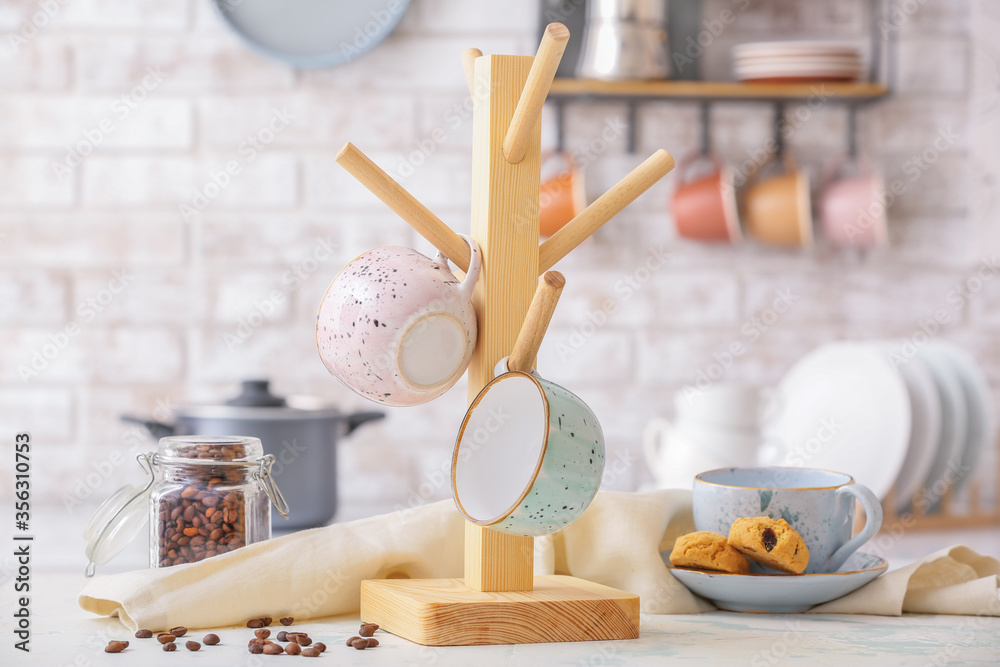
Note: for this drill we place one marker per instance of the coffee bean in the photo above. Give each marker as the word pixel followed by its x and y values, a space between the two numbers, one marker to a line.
pixel 256 648
pixel 360 644
pixel 170 646
pixel 287 620
pixel 302 640
pixel 310 653
pixel 266 620
pixel 293 649
pixel 372 642
pixel 273 649
pixel 256 640
pixel 115 647
pixel 368 629
pixel 254 623
pixel 210 640
pixel 165 638
pixel 190 524
pixel 179 631
pixel 143 634
pixel 282 636
pixel 350 642
pixel 319 646
pixel 263 633
pixel 192 646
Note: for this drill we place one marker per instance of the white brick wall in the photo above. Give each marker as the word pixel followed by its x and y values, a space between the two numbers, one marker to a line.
pixel 193 94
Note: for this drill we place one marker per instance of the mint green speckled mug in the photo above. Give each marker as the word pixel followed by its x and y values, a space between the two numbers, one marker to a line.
pixel 529 456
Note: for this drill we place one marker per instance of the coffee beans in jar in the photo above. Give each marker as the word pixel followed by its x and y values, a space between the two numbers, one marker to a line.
pixel 214 497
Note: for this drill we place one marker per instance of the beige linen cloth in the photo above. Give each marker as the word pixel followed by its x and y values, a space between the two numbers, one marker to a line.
pixel 617 542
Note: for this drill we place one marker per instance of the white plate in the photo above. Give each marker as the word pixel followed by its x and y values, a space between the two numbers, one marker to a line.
pixel 954 426
pixel 312 33
pixel 925 424
pixel 780 593
pixel 796 47
pixel 979 400
pixel 844 408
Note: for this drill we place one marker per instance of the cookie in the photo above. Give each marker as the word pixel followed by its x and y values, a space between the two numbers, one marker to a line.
pixel 708 551
pixel 771 543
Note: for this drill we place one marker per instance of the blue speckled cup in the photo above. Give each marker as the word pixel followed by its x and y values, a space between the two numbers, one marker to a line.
pixel 818 504
pixel 529 456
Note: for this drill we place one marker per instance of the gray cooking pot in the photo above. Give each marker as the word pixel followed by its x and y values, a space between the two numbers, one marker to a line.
pixel 301 432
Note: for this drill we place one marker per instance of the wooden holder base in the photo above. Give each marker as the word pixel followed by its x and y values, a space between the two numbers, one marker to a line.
pixel 443 612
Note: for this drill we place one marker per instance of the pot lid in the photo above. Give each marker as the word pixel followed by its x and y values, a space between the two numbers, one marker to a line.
pixel 256 401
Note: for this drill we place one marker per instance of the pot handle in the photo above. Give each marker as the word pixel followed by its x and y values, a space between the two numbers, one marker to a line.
pixel 156 429
pixel 359 418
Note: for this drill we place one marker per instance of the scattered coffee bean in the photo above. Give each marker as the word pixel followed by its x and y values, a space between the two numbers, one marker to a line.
pixel 165 638
pixel 310 653
pixel 273 649
pixel 266 620
pixel 302 640
pixel 282 636
pixel 263 633
pixel 360 643
pixel 143 634
pixel 287 620
pixel 255 623
pixel 256 640
pixel 319 646
pixel 179 631
pixel 350 642
pixel 192 646
pixel 115 647
pixel 210 640
pixel 170 646
pixel 372 642
pixel 256 648
pixel 368 629
pixel 293 649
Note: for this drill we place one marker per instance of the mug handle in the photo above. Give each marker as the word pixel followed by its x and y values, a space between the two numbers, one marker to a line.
pixel 873 521
pixel 653 441
pixel 472 275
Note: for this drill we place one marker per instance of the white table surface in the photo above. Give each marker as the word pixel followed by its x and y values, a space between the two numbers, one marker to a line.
pixel 64 635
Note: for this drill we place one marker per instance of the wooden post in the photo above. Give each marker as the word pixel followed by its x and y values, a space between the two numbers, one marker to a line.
pixel 505 224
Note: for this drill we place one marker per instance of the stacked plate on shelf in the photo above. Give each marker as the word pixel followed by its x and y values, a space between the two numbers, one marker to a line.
pixel 896 416
pixel 797 62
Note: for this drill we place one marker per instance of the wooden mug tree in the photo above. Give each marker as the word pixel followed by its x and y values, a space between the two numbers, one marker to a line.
pixel 500 601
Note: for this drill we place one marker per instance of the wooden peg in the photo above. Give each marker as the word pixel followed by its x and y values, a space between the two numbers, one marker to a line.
pixel 529 338
pixel 536 88
pixel 405 205
pixel 590 219
pixel 469 66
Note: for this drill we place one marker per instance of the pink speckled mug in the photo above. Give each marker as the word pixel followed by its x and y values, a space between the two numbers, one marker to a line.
pixel 397 327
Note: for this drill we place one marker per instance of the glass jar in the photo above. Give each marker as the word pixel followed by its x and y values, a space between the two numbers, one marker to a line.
pixel 213 495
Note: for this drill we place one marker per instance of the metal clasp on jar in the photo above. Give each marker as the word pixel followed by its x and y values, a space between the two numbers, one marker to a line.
pixel 264 477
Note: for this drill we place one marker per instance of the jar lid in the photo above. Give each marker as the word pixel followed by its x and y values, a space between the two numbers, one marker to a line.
pixel 118 520
pixel 209 449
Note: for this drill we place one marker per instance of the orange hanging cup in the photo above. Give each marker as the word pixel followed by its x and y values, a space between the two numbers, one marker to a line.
pixel 704 208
